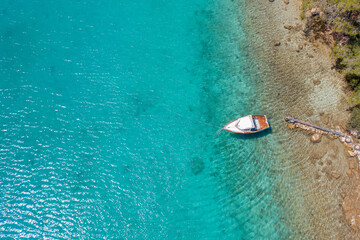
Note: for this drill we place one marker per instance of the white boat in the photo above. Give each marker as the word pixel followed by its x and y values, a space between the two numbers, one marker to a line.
pixel 248 124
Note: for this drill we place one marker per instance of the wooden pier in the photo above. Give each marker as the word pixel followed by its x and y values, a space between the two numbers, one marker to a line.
pixel 299 122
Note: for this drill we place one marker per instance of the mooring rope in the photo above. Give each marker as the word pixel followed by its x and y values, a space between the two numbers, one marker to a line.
pixel 192 120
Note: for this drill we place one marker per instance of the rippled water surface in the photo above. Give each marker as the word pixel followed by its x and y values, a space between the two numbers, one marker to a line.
pixel 110 117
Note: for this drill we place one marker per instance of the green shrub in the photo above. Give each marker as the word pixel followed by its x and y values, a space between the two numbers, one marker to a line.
pixel 345 26
pixel 302 15
pixel 342 17
pixel 347 5
pixel 349 62
pixel 355 119
pixel 305 5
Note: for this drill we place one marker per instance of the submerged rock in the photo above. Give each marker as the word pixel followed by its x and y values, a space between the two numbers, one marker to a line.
pixel 351 207
pixel 356 148
pixel 316 81
pixel 286 1
pixel 309 112
pixel 277 43
pixel 291 126
pixel 325 119
pixel 338 129
pixel 351 164
pixel 320 151
pixel 335 175
pixel 316 138
pixel 351 153
pixel 348 139
pixel 197 165
pixel 349 173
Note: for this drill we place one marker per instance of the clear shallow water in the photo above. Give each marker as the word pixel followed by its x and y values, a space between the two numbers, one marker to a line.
pixel 102 134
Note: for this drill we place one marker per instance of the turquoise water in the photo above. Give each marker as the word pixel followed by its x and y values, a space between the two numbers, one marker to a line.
pixel 110 112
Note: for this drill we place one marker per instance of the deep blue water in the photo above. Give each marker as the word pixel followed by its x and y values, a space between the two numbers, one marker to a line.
pixel 110 112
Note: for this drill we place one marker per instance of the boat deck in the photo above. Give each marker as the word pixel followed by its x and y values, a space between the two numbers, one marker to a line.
pixel 262 120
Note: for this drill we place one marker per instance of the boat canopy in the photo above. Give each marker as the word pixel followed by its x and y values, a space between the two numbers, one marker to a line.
pixel 245 123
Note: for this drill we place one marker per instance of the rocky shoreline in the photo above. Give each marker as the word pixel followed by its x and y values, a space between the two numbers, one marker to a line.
pixel 301 80
pixel 314 30
pixel 351 204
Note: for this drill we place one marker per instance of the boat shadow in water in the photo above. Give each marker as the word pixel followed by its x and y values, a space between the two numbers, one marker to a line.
pixel 253 135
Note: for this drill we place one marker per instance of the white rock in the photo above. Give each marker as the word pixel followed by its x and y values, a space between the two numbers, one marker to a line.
pixel 351 153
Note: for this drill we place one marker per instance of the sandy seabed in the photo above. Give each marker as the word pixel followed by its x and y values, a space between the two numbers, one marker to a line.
pixel 299 80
